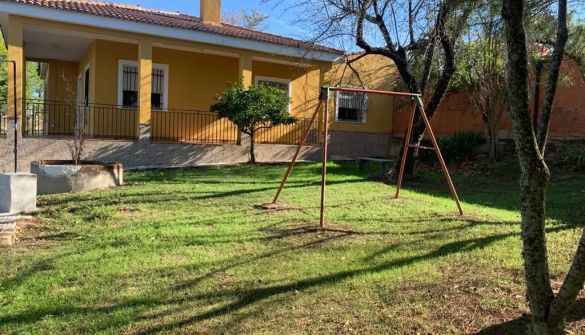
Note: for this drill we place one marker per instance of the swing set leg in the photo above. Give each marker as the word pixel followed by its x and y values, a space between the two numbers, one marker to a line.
pixel 431 134
pixel 298 151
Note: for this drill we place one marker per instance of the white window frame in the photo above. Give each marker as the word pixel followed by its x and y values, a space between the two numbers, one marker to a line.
pixel 287 82
pixel 337 120
pixel 125 62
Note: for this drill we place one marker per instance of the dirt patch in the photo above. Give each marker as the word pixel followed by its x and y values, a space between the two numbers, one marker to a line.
pixel 27 226
pixel 278 207
pixel 312 229
pixel 468 299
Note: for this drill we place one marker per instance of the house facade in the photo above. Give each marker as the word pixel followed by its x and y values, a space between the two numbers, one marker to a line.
pixel 140 82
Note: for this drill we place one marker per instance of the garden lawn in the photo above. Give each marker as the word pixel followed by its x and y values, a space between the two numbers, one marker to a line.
pixel 189 252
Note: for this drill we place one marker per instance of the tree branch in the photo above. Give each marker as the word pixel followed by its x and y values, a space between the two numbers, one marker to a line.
pixel 553 76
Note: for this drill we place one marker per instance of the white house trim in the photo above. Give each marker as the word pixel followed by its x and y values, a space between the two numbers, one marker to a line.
pixel 164 67
pixel 162 31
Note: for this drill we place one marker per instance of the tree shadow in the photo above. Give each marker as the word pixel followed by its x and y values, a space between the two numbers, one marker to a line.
pixel 520 325
pixel 257 295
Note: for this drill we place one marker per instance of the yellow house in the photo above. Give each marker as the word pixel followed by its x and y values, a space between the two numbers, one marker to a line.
pixel 113 69
pixel 362 124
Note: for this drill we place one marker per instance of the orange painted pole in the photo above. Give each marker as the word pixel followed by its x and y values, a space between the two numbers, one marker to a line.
pixel 405 151
pixel 298 151
pixel 325 150
pixel 440 156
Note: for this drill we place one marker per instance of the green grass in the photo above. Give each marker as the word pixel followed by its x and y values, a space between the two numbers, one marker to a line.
pixel 188 252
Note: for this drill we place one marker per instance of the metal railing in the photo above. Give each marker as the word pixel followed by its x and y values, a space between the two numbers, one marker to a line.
pixel 181 126
pixel 3 119
pixel 58 119
pixel 290 133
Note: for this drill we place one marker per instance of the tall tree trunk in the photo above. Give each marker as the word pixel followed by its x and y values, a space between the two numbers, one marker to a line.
pixel 252 158
pixel 493 141
pixel 534 178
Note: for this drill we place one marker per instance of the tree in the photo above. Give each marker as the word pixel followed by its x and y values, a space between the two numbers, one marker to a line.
pixel 252 109
pixel 549 310
pixel 418 36
pixel 481 70
pixel 251 19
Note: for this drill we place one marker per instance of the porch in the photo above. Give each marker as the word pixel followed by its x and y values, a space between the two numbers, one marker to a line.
pixel 112 85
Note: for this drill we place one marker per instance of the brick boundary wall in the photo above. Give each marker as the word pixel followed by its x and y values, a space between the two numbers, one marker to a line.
pixel 144 153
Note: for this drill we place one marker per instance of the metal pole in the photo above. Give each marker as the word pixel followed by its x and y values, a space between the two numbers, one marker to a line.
pixel 440 156
pixel 299 147
pixel 325 153
pixel 405 150
pixel 15 118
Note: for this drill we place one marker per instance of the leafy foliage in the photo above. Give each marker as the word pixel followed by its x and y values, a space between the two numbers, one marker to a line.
pixel 460 147
pixel 34 83
pixel 252 109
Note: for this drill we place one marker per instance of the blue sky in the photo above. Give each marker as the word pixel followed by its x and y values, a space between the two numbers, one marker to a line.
pixel 279 21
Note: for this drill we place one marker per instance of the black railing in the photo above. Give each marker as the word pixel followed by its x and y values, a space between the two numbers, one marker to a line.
pixel 59 119
pixel 290 133
pixel 180 126
pixel 3 119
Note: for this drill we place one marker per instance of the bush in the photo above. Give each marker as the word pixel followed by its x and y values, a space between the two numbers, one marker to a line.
pixel 463 146
pixel 573 158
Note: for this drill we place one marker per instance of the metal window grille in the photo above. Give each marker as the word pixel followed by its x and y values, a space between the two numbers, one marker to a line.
pixel 158 82
pixel 351 107
pixel 282 86
pixel 130 86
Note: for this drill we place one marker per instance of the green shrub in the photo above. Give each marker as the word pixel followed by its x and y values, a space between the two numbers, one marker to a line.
pixel 463 146
pixel 573 158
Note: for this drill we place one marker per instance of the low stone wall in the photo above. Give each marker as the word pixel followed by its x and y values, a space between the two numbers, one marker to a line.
pixel 143 153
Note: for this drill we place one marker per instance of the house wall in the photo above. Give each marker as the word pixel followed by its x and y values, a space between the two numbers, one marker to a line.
pixel 61 80
pixel 195 79
pixel 375 73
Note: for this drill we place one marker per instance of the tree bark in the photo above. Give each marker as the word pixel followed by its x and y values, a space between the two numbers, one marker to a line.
pixel 534 178
pixel 252 159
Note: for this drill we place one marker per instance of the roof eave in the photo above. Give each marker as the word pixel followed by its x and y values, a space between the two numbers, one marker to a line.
pixel 164 31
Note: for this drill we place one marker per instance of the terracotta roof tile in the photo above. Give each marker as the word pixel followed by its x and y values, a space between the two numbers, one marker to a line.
pixel 169 19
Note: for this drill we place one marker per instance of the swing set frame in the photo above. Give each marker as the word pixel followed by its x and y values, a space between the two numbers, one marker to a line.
pixel 324 104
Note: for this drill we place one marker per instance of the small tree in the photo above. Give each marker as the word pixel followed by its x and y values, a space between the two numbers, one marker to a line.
pixel 77 144
pixel 252 109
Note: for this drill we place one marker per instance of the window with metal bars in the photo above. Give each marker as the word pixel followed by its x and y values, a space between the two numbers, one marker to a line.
pixel 158 82
pixel 130 86
pixel 280 85
pixel 130 81
pixel 351 107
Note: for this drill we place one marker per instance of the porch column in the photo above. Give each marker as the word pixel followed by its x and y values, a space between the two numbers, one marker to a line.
pixel 246 70
pixel 145 73
pixel 16 53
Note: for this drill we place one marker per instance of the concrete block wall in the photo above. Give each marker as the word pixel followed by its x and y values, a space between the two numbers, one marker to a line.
pixel 356 144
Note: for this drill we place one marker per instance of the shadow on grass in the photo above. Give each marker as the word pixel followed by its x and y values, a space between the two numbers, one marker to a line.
pixel 237 299
pixel 520 325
